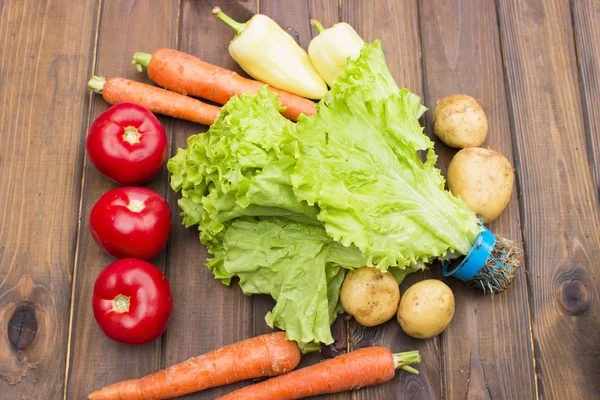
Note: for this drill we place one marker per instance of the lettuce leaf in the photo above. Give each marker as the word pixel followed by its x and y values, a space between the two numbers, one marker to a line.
pixel 238 168
pixel 235 182
pixel 358 160
pixel 298 265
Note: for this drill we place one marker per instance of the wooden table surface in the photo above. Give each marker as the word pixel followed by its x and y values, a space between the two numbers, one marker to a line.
pixel 533 65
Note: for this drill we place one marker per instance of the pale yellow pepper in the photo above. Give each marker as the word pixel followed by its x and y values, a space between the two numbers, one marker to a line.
pixel 330 49
pixel 269 54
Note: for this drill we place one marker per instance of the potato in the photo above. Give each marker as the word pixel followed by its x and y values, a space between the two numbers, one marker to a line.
pixel 459 121
pixel 484 179
pixel 426 309
pixel 370 296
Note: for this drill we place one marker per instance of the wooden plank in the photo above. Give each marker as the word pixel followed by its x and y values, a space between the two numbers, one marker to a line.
pixel 461 54
pixel 326 12
pixel 559 207
pixel 46 50
pixel 125 27
pixel 207 314
pixel 396 25
pixel 586 23
pixel 292 16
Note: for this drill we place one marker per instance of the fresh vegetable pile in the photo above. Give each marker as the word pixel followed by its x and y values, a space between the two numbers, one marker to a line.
pixel 288 207
pixel 326 215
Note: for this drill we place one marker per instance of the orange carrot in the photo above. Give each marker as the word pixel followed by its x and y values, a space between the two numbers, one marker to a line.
pixel 189 75
pixel 266 355
pixel 157 100
pixel 364 367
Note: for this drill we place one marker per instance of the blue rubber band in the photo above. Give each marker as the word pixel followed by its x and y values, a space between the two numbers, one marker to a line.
pixel 475 260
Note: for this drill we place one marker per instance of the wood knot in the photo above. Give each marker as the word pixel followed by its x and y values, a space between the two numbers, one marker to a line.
pixel 22 326
pixel 574 299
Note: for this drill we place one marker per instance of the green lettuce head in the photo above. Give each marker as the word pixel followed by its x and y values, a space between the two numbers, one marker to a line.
pixel 289 208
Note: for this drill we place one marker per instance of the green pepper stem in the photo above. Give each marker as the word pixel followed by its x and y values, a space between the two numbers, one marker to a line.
pixel 141 60
pixel 403 360
pixel 317 25
pixel 236 26
pixel 97 83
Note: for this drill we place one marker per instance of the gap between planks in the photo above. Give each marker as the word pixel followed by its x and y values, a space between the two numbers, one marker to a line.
pixel 518 186
pixel 440 347
pixel 91 102
pixel 168 194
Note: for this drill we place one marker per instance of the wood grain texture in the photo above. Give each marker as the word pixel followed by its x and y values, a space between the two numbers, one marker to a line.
pixel 586 25
pixel 396 25
pixel 559 208
pixel 550 56
pixel 207 314
pixel 97 361
pixel 327 12
pixel 461 54
pixel 293 17
pixel 45 51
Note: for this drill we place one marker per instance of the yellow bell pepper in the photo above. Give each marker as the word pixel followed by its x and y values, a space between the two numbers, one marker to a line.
pixel 330 49
pixel 269 54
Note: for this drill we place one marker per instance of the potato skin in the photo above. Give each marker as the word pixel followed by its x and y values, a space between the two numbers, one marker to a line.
pixel 459 121
pixel 370 296
pixel 484 179
pixel 426 309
